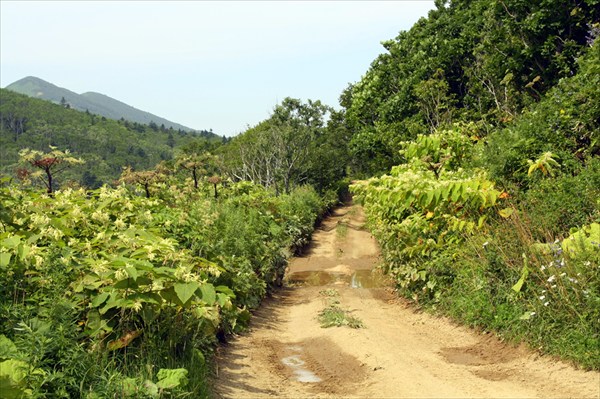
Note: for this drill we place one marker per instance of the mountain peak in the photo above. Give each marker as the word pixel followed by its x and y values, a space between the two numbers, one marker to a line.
pixel 93 102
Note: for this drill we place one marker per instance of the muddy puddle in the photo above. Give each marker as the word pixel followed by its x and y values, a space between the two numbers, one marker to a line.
pixel 301 374
pixel 356 279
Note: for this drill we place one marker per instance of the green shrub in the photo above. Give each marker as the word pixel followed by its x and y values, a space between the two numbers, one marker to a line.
pixel 564 122
pixel 525 267
pixel 556 205
pixel 103 290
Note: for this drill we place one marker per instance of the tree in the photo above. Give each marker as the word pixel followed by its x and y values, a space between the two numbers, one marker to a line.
pixel 469 60
pixel 170 140
pixel 13 123
pixel 214 180
pixel 250 156
pixel 295 128
pixel 329 156
pixel 276 152
pixel 50 164
pixel 64 103
pixel 144 178
pixel 90 180
pixel 196 158
pixel 434 100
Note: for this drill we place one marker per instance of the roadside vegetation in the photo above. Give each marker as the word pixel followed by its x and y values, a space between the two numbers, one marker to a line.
pixel 128 251
pixel 108 292
pixel 502 230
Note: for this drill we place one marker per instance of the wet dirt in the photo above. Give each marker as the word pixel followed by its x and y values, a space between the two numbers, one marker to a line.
pixel 400 353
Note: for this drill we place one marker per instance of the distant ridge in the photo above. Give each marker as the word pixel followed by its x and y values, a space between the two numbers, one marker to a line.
pixel 95 103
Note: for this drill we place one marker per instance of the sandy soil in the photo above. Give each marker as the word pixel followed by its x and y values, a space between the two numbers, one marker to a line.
pixel 400 353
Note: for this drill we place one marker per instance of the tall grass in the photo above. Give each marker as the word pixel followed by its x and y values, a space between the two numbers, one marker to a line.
pixel 526 290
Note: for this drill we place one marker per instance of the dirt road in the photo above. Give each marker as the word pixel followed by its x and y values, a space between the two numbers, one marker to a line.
pixel 399 353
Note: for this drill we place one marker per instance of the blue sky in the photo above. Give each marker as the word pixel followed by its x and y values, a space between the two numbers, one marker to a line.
pixel 220 65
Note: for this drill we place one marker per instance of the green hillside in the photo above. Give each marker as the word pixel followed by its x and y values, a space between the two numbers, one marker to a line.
pixel 92 102
pixel 106 145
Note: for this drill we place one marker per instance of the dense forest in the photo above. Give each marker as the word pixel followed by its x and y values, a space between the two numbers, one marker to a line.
pixel 472 143
pixel 106 145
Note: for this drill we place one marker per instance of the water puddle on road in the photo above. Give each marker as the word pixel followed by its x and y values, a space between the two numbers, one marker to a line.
pixel 357 279
pixel 296 363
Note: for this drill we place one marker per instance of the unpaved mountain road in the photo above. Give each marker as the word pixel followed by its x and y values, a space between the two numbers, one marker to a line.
pixel 400 353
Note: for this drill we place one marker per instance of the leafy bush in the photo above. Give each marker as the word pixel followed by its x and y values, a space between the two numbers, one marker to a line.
pixel 555 205
pixel 564 122
pixel 527 269
pixel 426 205
pixel 102 290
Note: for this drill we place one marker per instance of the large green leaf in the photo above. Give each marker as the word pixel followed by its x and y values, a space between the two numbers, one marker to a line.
pixel 114 301
pixel 208 293
pixel 128 283
pixel 172 378
pixel 7 348
pixel 4 259
pixel 225 290
pixel 185 291
pixel 11 242
pixel 13 378
pixel 132 272
pixel 99 299
pixel 130 387
pixel 506 212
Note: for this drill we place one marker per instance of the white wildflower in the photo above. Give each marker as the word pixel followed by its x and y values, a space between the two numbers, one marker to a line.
pixel 551 278
pixel 148 215
pixel 121 274
pixel 100 267
pixel 76 212
pixel 104 192
pixel 137 306
pixel 38 220
pixel 100 216
pixel 54 233
pixel 120 224
pixel 213 271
